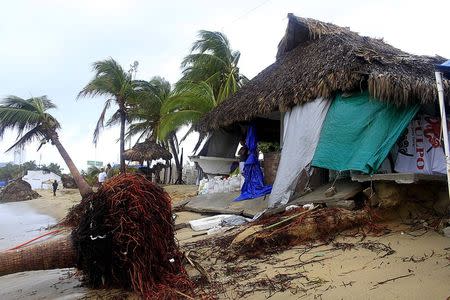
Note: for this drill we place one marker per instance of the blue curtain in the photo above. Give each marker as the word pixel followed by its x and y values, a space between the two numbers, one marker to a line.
pixel 254 180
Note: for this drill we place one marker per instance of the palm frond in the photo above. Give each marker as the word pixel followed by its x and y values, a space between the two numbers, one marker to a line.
pixel 100 122
pixel 30 136
pixel 172 122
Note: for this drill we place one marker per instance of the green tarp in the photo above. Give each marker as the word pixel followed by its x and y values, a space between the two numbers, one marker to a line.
pixel 359 132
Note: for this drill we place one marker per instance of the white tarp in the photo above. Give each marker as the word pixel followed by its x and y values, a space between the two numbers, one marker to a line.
pixel 420 148
pixel 302 131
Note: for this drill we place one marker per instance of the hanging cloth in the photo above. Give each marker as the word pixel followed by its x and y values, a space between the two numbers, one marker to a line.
pixel 254 180
pixel 302 130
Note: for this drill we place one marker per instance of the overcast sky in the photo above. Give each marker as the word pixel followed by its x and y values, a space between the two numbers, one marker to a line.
pixel 47 47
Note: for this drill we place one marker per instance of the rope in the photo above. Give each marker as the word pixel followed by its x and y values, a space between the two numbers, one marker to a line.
pixel 34 239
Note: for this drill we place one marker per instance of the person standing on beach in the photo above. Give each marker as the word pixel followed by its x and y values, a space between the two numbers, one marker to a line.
pixel 101 177
pixel 55 187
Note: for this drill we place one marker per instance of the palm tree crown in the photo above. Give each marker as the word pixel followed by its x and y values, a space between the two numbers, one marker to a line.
pixel 111 81
pixel 212 60
pixel 28 115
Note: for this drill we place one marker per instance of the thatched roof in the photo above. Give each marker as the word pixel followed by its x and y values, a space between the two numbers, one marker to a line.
pixel 317 59
pixel 146 151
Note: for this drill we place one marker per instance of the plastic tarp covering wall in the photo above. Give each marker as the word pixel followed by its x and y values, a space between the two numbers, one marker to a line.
pixel 359 132
pixel 302 127
pixel 221 143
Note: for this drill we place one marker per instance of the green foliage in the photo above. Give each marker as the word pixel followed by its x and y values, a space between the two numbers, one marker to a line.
pixel 29 166
pixel 213 61
pixel 112 82
pixel 210 75
pixel 189 102
pixel 10 171
pixel 266 147
pixel 52 167
pixel 29 118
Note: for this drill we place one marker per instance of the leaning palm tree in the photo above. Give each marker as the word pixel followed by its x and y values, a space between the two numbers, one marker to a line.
pixel 114 83
pixel 32 122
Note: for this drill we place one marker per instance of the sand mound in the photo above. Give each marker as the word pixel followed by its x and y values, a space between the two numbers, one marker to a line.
pixel 18 190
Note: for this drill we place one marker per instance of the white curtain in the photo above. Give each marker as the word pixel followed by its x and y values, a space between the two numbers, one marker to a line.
pixel 301 135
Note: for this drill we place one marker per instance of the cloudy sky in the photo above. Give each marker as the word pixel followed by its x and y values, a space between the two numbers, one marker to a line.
pixel 47 47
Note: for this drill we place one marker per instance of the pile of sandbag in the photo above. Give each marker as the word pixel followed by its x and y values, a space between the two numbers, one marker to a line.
pixel 221 185
pixel 17 190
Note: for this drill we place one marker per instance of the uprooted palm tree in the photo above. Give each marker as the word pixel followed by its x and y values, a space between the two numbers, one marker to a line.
pixel 32 122
pixel 114 83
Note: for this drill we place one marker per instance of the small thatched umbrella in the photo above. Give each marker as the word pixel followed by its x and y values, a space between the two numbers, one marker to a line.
pixel 147 151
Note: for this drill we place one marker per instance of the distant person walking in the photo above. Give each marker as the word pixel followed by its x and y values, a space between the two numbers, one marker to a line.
pixel 55 187
pixel 101 177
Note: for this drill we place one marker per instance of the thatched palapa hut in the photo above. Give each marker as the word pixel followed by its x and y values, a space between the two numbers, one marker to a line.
pixel 335 90
pixel 147 151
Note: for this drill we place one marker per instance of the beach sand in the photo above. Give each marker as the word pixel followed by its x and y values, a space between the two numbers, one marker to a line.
pixel 421 259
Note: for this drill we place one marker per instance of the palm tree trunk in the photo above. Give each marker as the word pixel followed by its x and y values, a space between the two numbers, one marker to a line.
pixel 122 139
pixel 56 254
pixel 82 185
pixel 178 165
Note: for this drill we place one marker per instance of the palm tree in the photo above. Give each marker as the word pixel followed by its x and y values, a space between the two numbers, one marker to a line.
pixel 112 82
pixel 213 61
pixel 145 115
pixel 188 103
pixel 32 122
pixel 210 75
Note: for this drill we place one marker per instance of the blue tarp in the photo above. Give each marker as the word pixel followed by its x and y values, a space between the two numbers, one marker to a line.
pixel 254 180
pixel 444 68
pixel 359 132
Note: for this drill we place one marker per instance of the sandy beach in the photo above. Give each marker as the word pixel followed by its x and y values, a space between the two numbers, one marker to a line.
pixel 403 264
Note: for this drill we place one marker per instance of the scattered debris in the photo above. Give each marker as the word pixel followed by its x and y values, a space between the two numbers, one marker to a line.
pixel 294 227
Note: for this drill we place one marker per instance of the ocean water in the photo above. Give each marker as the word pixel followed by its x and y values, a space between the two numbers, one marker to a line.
pixel 20 223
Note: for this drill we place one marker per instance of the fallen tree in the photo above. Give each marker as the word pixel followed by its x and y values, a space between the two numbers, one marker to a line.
pixel 124 238
pixel 276 233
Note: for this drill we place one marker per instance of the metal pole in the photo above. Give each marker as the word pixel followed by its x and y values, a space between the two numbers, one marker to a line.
pixel 440 88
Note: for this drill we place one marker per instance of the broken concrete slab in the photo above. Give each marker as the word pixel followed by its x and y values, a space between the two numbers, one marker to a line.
pixel 223 203
pixel 344 190
pixel 401 178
